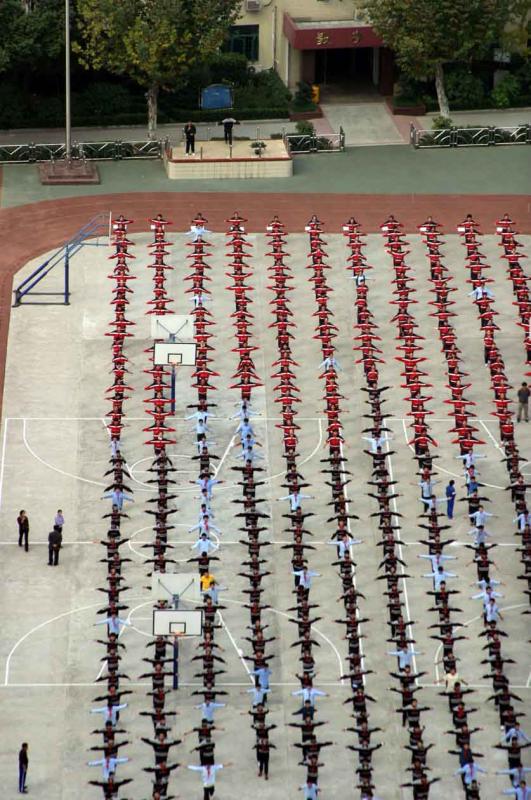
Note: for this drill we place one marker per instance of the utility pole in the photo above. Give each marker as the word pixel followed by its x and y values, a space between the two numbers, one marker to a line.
pixel 68 120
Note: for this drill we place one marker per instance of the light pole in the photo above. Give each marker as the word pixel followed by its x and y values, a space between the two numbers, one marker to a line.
pixel 68 121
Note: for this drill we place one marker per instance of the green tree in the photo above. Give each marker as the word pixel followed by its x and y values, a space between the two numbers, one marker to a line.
pixel 31 34
pixel 427 34
pixel 153 42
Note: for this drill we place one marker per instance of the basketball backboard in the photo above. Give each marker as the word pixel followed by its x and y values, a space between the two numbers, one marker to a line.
pixel 183 622
pixel 167 585
pixel 178 325
pixel 178 354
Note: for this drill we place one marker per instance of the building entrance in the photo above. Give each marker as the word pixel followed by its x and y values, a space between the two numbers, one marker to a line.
pixel 346 71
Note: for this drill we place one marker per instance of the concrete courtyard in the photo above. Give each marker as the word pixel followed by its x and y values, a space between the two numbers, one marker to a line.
pixel 54 453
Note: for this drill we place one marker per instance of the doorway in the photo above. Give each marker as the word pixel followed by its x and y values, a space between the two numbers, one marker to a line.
pixel 346 72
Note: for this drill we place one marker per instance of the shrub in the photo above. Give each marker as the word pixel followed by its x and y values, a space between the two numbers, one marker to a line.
pixel 229 68
pixel 302 100
pixel 101 98
pixel 440 123
pixel 305 128
pixel 14 106
pixel 408 88
pixel 464 89
pixel 47 112
pixel 506 92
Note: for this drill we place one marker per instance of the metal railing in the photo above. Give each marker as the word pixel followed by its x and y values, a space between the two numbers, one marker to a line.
pixel 97 226
pixel 91 151
pixel 480 136
pixel 297 143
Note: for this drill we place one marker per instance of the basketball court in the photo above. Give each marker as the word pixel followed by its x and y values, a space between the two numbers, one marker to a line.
pixel 55 450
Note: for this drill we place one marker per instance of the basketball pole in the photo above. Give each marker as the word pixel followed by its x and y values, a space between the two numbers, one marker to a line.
pixel 173 388
pixel 175 662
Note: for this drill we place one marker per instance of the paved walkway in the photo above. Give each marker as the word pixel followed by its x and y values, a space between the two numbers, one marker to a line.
pixel 138 133
pixel 365 123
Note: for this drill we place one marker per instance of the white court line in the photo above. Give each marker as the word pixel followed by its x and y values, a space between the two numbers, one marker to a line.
pixel 461 544
pixel 294 619
pixel 181 683
pixel 225 453
pixel 491 437
pixel 238 650
pixel 470 685
pixel 433 419
pixel 143 419
pixel 447 471
pixel 38 627
pixel 51 466
pixel 465 625
pixel 337 684
pixel 182 542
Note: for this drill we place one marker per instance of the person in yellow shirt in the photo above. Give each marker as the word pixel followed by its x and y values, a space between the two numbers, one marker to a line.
pixel 207 581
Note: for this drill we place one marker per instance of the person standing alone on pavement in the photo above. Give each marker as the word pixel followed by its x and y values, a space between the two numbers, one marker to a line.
pixel 450 499
pixel 189 135
pixel 23 768
pixel 23 529
pixel 523 402
pixel 228 125
pixel 55 539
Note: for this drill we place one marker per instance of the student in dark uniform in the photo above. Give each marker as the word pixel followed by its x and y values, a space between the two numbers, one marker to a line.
pixel 23 766
pixel 189 135
pixel 23 529
pixel 55 539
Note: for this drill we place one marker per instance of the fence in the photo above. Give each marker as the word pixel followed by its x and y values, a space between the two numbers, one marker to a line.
pixel 97 151
pixel 98 226
pixel 326 143
pixel 485 136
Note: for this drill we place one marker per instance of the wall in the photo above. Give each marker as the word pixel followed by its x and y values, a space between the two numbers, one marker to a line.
pixel 274 50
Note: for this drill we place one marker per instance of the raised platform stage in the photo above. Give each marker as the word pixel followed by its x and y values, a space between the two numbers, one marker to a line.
pixel 214 160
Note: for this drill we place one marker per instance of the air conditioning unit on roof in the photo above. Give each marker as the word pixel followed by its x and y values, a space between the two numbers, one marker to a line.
pixel 253 5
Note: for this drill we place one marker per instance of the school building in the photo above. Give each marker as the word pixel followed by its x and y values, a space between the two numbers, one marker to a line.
pixel 317 41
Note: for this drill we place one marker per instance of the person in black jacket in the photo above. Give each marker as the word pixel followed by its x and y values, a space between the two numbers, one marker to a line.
pixel 23 529
pixel 189 135
pixel 55 539
pixel 22 767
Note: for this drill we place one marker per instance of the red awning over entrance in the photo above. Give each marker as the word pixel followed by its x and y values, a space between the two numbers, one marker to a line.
pixel 311 35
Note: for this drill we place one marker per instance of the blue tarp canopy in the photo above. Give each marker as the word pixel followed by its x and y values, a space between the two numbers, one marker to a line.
pixel 218 95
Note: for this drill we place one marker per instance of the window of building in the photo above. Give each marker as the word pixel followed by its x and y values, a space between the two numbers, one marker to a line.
pixel 243 39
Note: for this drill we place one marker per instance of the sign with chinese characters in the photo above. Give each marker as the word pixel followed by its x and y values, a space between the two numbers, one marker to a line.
pixel 325 36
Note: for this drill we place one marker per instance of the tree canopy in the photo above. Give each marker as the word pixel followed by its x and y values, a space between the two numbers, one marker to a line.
pixel 427 34
pixel 153 42
pixel 31 33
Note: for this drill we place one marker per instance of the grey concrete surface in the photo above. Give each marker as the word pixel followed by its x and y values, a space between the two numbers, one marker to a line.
pixel 138 133
pixel 54 453
pixel 363 123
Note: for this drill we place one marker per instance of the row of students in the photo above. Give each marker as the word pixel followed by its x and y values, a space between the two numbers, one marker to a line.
pixel 503 697
pixel 384 493
pixel 110 753
pixel 251 517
